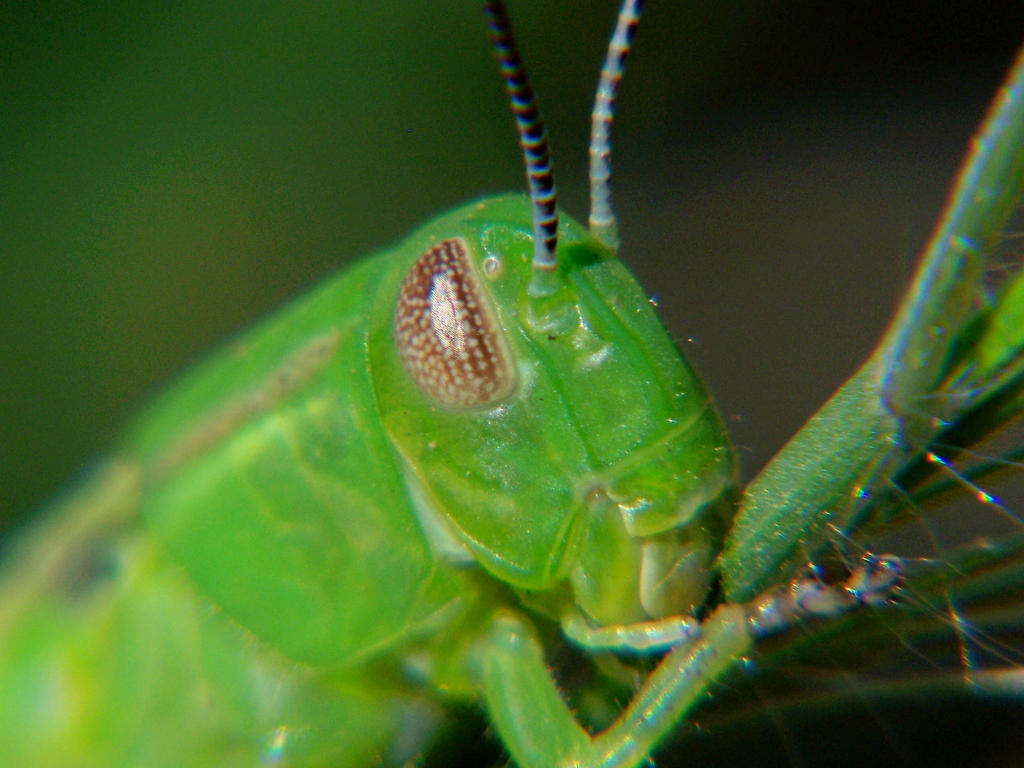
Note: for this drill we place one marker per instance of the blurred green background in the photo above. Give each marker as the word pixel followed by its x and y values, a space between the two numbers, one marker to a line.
pixel 173 170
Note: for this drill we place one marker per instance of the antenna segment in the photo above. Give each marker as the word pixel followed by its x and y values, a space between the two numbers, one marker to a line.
pixel 534 141
pixel 603 224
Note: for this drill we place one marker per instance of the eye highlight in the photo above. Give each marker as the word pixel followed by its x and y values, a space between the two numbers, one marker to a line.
pixel 447 332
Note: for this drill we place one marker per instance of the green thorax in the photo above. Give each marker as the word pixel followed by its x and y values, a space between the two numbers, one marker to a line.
pixel 270 479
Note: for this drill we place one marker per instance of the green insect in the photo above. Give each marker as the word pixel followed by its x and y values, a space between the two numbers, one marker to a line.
pixel 403 490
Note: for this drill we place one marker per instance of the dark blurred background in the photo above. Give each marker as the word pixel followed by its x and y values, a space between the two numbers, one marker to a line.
pixel 173 170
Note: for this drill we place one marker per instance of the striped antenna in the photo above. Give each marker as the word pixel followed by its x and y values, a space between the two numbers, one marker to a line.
pixel 603 224
pixel 534 141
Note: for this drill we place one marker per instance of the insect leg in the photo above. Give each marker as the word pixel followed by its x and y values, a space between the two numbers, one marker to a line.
pixel 871 583
pixel 539 729
pixel 531 716
pixel 640 637
pixel 537 725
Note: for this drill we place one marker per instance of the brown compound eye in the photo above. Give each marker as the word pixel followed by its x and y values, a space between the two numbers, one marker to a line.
pixel 447 331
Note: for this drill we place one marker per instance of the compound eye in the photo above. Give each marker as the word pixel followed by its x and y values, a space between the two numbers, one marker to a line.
pixel 447 331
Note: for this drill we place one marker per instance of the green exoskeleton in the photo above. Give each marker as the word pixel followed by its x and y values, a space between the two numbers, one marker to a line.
pixel 403 489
